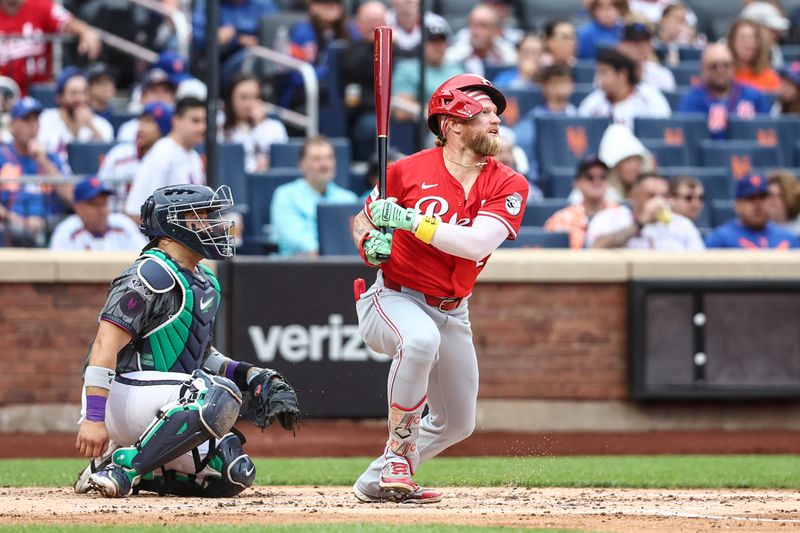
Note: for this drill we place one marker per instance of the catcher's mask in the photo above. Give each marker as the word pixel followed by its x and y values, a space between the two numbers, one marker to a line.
pixel 191 215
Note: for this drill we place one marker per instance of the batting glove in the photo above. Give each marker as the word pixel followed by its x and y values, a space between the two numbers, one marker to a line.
pixel 387 214
pixel 377 247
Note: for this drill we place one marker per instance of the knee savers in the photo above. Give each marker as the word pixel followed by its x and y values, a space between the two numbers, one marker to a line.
pixel 238 471
pixel 207 410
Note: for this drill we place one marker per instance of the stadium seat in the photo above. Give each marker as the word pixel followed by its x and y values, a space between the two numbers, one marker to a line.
pixel 536 13
pixel 44 92
pixel 667 154
pixel 533 237
pixel 118 119
pixel 230 165
pixel 581 91
pixel 490 72
pixel 261 188
pixel 334 228
pixel 714 16
pixel 584 71
pixel 403 136
pixel 684 129
pixel 781 132
pixel 288 155
pixel 722 211
pixel 86 158
pixel 741 157
pixel 687 73
pixel 519 103
pixel 791 52
pixel 686 53
pixel 674 97
pixel 562 141
pixel 561 179
pixel 537 214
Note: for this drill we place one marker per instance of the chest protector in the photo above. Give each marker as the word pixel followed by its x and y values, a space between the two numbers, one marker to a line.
pixel 178 344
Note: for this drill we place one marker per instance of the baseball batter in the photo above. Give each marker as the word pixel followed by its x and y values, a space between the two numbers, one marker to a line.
pixel 159 402
pixel 451 207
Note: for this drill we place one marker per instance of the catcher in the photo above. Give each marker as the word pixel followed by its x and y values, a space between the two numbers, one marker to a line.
pixel 159 402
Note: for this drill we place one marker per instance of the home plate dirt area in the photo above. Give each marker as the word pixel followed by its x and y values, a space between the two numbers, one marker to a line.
pixel 618 510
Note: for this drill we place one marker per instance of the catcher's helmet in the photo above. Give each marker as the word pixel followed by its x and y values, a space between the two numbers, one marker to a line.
pixel 174 212
pixel 452 99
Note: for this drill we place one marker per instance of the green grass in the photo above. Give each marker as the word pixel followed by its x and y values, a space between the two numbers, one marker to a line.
pixel 301 528
pixel 664 471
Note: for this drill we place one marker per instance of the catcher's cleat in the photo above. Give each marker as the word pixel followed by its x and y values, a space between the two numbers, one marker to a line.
pixel 419 496
pixel 396 475
pixel 82 485
pixel 111 482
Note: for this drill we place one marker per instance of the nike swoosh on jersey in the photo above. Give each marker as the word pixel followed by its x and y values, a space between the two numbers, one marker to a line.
pixel 429 185
pixel 205 304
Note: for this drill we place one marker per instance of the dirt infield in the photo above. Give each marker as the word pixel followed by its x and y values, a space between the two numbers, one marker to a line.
pixel 617 510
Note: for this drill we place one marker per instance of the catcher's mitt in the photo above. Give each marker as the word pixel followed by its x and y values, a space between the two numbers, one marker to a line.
pixel 273 400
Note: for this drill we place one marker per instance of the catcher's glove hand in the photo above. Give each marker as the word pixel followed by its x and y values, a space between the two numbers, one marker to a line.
pixel 273 400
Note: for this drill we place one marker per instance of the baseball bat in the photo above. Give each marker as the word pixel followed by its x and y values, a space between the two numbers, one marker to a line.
pixel 383 96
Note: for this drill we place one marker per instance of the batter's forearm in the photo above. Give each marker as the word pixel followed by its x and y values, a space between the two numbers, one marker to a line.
pixel 361 225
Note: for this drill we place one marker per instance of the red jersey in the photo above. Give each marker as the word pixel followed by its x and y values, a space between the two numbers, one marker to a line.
pixel 29 59
pixel 423 182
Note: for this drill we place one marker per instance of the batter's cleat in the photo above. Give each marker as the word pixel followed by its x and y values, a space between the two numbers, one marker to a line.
pixel 111 482
pixel 396 475
pixel 419 497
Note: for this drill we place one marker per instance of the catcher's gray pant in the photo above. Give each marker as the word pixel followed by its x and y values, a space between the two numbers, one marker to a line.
pixel 432 354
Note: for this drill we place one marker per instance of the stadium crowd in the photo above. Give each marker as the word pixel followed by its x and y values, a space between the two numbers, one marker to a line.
pixel 649 124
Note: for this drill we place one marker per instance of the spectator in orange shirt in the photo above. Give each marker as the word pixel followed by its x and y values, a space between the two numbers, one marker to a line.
pixel 591 179
pixel 751 56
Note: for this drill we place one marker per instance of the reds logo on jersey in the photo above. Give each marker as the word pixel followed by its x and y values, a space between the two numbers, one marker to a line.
pixel 438 206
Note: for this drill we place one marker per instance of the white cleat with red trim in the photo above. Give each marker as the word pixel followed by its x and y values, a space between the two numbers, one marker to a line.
pixel 419 496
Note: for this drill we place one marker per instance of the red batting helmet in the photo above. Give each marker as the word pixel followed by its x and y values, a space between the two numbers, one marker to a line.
pixel 452 99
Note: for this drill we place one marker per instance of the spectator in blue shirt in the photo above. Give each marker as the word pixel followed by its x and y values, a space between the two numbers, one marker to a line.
pixel 751 230
pixel 603 29
pixel 29 207
pixel 719 96
pixel 238 23
pixel 293 213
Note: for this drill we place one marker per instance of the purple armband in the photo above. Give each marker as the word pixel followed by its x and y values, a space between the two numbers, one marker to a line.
pixel 96 408
pixel 236 371
pixel 230 368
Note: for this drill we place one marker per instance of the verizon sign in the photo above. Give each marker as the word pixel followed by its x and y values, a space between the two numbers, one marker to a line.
pixel 300 319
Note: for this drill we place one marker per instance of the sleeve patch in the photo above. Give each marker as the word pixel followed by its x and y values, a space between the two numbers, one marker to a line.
pixel 131 303
pixel 514 204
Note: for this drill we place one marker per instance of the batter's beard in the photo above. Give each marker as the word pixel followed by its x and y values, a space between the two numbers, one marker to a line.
pixel 481 144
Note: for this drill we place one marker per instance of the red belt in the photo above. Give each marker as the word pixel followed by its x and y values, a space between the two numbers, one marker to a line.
pixel 442 304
